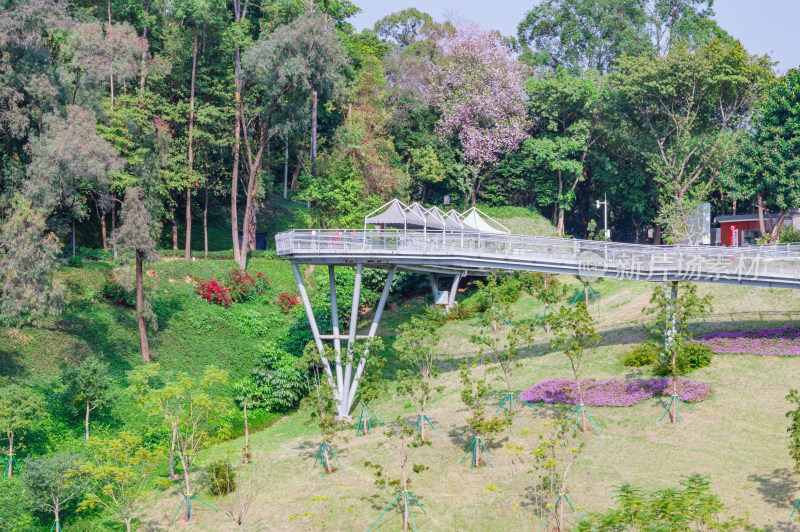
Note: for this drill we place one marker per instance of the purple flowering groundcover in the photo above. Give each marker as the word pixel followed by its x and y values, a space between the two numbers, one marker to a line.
pixel 614 392
pixel 773 342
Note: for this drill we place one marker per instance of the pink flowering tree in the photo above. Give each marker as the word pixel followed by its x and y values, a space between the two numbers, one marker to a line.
pixel 478 86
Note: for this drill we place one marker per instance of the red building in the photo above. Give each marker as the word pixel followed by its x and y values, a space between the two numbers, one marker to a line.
pixel 743 229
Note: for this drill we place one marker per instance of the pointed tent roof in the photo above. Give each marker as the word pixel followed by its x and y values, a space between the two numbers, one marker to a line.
pixel 430 221
pixel 393 214
pixel 450 219
pixel 480 221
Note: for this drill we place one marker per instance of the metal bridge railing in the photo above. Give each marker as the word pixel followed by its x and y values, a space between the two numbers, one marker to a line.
pixel 780 261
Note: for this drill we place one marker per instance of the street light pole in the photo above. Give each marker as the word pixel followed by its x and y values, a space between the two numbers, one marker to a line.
pixel 604 203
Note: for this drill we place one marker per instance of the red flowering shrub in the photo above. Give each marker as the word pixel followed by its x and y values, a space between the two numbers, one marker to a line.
pixel 213 292
pixel 117 293
pixel 287 302
pixel 245 286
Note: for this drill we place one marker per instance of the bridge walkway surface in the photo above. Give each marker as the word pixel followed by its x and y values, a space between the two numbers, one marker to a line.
pixel 775 266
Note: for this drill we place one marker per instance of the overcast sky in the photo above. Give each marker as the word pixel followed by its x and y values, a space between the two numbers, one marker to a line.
pixel 763 26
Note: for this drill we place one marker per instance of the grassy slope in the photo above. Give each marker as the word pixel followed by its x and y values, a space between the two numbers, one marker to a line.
pixel 737 437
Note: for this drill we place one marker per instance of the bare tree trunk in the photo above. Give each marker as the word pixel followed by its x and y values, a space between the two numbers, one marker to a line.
pixel 185 467
pixel 236 151
pixel 86 436
pixel 110 74
pixel 286 168
pixel 326 458
pixel 103 232
pixel 188 254
pixel 762 226
pixel 140 308
pixel 314 135
pixel 172 474
pixel 560 224
pixel 9 470
pixel 405 498
pixel 144 52
pixel 73 237
pixel 205 224
pixel 478 455
pixel 174 217
pixel 246 436
pixel 114 223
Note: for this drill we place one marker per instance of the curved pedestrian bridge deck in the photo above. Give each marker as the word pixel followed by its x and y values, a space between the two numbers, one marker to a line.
pixel 478 253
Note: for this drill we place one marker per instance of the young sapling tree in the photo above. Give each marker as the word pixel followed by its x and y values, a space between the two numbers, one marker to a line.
pixel 499 340
pixel 321 406
pixel 20 410
pixel 247 395
pixel 794 434
pixel 553 457
pixel 118 473
pixel 189 407
pixel 574 333
pixel 403 440
pixel 371 385
pixel 674 305
pixel 236 500
pixel 88 383
pixel 546 288
pixel 418 369
pixel 481 421
pixel 52 483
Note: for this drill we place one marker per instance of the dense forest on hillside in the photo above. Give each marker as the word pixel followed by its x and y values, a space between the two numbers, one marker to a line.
pixel 213 108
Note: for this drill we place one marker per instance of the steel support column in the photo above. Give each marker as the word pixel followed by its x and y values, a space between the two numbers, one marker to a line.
pixel 301 287
pixel 337 343
pixel 373 329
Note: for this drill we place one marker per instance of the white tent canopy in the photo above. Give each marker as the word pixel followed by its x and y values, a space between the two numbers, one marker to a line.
pixel 481 221
pixel 398 215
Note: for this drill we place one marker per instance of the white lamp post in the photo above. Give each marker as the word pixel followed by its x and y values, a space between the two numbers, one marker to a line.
pixel 604 203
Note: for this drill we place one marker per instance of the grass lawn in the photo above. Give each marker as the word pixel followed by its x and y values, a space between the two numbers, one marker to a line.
pixel 738 437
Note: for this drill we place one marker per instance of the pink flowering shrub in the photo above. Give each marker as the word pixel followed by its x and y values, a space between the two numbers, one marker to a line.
pixel 614 392
pixel 773 342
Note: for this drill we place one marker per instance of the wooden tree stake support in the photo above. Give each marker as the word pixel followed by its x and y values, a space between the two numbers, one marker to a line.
pixel 794 510
pixel 421 419
pixel 675 399
pixel 369 424
pixel 509 398
pixel 591 292
pixel 188 500
pixel 321 454
pixel 577 414
pixel 474 448
pixel 406 494
pixel 555 504
pixel 6 459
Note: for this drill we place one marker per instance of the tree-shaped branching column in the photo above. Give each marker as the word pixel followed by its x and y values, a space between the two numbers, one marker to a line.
pixel 418 369
pixel 481 421
pixel 674 305
pixel 499 337
pixel 403 440
pixel 321 407
pixel 574 332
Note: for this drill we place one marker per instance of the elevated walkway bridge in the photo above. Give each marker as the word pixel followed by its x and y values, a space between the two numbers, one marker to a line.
pixel 458 254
